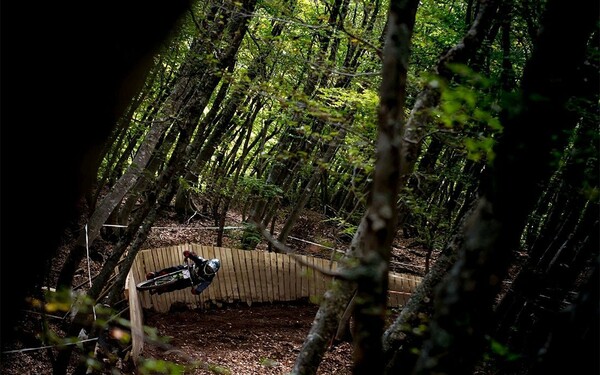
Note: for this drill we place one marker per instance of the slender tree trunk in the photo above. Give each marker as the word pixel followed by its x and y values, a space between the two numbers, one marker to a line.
pixel 108 204
pixel 429 96
pixel 310 186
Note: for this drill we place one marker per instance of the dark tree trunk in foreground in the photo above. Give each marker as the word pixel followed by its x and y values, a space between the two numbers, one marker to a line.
pixel 401 333
pixel 107 205
pixel 370 302
pixel 463 306
pixel 91 83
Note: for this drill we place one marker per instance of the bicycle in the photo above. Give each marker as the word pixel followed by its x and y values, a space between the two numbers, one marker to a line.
pixel 181 278
pixel 199 275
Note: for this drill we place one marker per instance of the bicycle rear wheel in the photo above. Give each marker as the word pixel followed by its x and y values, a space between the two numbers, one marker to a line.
pixel 160 282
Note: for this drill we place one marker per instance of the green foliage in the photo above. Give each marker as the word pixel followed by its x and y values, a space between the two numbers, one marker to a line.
pixel 104 319
pixel 315 299
pixel 259 187
pixel 218 369
pixel 187 186
pixel 344 227
pixel 251 237
pixel 268 362
pixel 151 366
pixel 438 26
pixel 500 351
pixel 468 110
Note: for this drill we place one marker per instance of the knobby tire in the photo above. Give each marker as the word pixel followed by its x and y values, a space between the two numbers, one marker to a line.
pixel 158 282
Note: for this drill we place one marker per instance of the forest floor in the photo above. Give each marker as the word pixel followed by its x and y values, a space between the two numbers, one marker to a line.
pixel 231 339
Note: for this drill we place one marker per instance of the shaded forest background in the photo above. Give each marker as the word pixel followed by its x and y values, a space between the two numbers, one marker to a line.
pixel 469 127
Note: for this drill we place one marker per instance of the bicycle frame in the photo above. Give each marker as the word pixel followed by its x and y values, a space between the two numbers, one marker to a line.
pixel 163 282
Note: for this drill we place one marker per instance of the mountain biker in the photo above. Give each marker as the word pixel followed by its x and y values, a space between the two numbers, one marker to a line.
pixel 202 275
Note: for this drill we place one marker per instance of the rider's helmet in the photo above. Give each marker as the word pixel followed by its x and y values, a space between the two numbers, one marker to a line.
pixel 212 266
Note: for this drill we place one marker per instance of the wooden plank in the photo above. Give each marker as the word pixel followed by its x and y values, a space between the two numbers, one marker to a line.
pixel 270 279
pixel 260 267
pixel 227 263
pixel 258 276
pixel 159 300
pixel 242 282
pixel 295 282
pixel 248 282
pixel 304 274
pixel 317 290
pixel 200 250
pixel 320 281
pixel 275 276
pixel 223 276
pixel 217 283
pixel 140 261
pixel 266 271
pixel 327 280
pixel 393 288
pixel 317 284
pixel 313 274
pixel 135 275
pixel 308 275
pixel 194 248
pixel 286 268
pixel 272 274
pixel 312 292
pixel 285 276
pixel 144 268
pixel 331 266
pixel 249 275
pixel 293 279
pixel 282 277
pixel 168 262
pixel 260 271
pixel 264 287
pixel 258 283
pixel 175 259
pixel 266 263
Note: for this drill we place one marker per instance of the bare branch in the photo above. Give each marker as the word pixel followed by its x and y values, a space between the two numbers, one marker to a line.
pixel 298 258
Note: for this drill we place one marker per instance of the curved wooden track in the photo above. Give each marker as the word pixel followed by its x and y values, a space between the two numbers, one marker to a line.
pixel 245 276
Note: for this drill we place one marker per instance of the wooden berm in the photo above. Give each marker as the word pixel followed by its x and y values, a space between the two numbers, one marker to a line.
pixel 245 276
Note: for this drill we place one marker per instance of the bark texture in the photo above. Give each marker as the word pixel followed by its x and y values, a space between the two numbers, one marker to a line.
pixel 463 306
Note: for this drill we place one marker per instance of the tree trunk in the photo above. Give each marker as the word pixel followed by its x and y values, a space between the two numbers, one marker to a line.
pixel 372 241
pixel 108 204
pixel 464 302
pixel 310 186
